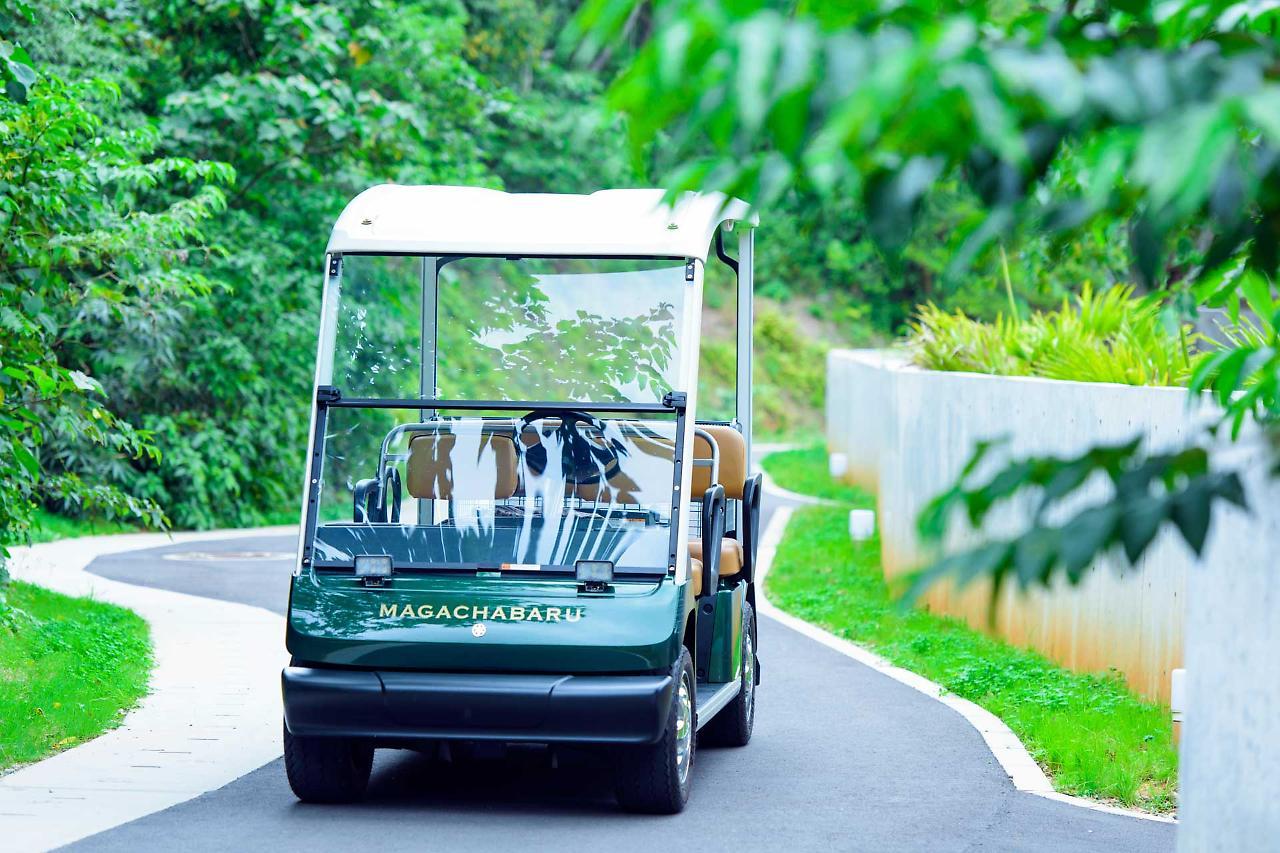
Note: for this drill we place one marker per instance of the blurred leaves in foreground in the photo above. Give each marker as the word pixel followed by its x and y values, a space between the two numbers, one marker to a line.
pixel 1158 121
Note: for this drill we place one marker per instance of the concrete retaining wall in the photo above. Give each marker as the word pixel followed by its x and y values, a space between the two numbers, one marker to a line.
pixel 907 432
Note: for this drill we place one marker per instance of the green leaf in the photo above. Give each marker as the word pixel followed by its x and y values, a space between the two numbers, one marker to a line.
pixel 1257 291
pixel 1086 536
pixel 25 458
pixel 1191 513
pixel 1140 523
pixel 1034 555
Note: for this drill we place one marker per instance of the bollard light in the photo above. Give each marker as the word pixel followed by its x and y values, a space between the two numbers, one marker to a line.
pixel 862 524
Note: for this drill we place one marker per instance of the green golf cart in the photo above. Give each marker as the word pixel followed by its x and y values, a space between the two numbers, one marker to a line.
pixel 516 529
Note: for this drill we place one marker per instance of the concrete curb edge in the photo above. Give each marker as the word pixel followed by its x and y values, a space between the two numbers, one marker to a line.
pixel 1016 761
pixel 211 715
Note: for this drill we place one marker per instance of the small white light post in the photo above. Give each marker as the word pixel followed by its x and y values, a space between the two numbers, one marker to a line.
pixel 862 524
pixel 837 465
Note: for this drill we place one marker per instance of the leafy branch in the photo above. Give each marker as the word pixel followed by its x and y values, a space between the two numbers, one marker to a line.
pixel 1146 494
pixel 1059 120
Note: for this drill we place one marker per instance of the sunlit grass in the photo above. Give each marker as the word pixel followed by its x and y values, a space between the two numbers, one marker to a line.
pixel 69 669
pixel 804 470
pixel 1091 734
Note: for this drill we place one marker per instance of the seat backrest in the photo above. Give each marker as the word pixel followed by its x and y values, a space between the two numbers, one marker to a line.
pixel 466 466
pixel 733 461
pixel 621 487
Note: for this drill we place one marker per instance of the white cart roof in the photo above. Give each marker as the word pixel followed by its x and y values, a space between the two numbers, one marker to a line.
pixel 435 220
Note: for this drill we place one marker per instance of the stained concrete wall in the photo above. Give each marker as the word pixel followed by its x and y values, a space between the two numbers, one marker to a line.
pixel 1230 762
pixel 907 433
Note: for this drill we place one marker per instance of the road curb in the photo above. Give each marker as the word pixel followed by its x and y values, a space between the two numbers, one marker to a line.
pixel 1023 771
pixel 212 713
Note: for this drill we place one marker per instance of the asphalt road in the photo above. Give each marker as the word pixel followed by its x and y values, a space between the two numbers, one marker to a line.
pixel 843 758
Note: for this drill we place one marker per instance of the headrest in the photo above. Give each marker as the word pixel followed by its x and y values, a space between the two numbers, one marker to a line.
pixel 465 466
pixel 733 461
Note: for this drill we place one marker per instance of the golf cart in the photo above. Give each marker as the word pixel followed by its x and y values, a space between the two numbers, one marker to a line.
pixel 515 527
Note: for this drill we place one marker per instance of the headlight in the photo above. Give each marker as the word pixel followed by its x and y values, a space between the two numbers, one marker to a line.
pixel 373 568
pixel 594 575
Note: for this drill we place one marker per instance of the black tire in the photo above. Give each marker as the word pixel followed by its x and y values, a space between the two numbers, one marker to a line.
pixel 651 778
pixel 327 769
pixel 733 725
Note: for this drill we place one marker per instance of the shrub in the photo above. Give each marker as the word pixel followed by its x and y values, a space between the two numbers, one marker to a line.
pixel 1106 336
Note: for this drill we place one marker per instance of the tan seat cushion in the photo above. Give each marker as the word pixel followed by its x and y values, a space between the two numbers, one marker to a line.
pixel 476 466
pixel 733 461
pixel 730 554
pixel 695 576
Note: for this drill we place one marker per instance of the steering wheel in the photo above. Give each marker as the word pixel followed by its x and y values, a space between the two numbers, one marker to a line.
pixel 583 459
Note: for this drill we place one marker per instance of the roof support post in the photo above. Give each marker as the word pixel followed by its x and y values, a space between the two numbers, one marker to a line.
pixel 324 376
pixel 428 362
pixel 746 322
pixel 430 342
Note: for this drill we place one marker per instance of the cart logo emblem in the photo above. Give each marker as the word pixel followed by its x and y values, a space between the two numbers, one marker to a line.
pixel 479 614
pixel 478 630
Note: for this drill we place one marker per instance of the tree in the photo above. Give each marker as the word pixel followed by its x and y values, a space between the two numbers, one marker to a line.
pixel 92 225
pixel 1159 117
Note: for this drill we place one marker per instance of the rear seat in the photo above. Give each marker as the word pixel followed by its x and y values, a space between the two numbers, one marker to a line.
pixel 733 476
pixel 468 466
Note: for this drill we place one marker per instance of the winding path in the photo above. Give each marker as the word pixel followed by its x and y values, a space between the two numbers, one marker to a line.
pixel 843 758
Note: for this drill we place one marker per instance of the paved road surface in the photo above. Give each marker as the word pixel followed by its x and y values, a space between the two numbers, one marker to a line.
pixel 843 758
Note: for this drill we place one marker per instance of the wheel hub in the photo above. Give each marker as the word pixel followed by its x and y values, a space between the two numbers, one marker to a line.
pixel 684 728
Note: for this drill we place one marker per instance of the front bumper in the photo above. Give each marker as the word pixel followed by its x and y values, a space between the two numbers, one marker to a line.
pixel 408 706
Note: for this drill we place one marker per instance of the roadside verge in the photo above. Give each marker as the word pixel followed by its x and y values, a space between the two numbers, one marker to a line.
pixel 1023 771
pixel 212 713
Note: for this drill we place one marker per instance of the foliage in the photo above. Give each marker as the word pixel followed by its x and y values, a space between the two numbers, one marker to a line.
pixel 1125 112
pixel 1092 735
pixel 1103 337
pixel 1159 119
pixel 95 228
pixel 16 72
pixel 310 103
pixel 73 667
pixel 821 248
pixel 1244 374
pixel 49 526
pixel 1147 490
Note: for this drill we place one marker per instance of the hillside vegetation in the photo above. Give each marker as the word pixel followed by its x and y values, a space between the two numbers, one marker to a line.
pixel 169 175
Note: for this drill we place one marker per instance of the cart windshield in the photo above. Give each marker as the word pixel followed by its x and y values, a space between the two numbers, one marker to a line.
pixel 515 494
pixel 533 480
pixel 486 328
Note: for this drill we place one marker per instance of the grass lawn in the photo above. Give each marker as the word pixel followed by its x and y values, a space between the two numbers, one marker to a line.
pixel 69 669
pixel 1091 734
pixel 804 470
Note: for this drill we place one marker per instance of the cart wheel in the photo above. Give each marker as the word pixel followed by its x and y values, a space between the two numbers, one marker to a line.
pixel 732 726
pixel 327 770
pixel 654 778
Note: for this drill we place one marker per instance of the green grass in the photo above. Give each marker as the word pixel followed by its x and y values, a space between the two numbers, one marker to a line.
pixel 1092 735
pixel 69 669
pixel 805 471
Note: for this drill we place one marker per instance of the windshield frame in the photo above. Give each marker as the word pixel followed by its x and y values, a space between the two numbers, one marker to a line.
pixel 680 400
pixel 328 398
pixel 688 338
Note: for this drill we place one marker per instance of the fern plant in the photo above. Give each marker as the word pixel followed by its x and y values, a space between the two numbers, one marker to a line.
pixel 1098 336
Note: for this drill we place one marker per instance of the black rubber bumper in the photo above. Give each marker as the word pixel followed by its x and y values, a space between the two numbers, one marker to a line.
pixel 406 706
